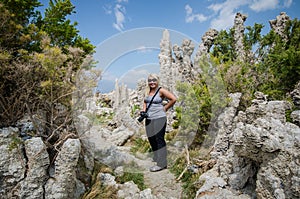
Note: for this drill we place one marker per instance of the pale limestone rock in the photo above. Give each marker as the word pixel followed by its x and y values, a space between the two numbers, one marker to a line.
pixel 204 47
pixel 224 193
pixel 295 94
pixel 211 181
pixel 257 151
pixel 279 24
pixel 63 183
pixel 12 162
pixel 119 136
pixel 128 190
pixel 239 36
pixel 32 187
pixel 186 72
pixel 165 60
pixel 295 115
pixel 113 157
pixel 107 179
pixel 147 194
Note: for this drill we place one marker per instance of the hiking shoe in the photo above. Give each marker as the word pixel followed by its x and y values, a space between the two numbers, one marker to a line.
pixel 157 168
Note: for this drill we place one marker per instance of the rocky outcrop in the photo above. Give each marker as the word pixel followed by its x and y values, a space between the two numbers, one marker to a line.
pixel 257 152
pixel 186 68
pixel 12 162
pixel 295 94
pixel 126 190
pixel 279 25
pixel 206 43
pixel 165 61
pixel 25 168
pixel 63 181
pixel 239 36
pixel 32 186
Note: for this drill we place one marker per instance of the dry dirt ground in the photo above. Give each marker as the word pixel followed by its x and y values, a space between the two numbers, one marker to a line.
pixel 162 183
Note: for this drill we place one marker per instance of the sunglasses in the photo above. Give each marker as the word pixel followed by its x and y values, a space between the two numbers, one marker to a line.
pixel 152 80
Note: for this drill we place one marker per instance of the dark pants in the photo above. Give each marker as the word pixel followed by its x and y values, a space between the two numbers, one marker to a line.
pixel 155 130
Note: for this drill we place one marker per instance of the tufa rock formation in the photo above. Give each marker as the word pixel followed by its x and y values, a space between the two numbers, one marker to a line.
pixel 279 24
pixel 239 36
pixel 256 151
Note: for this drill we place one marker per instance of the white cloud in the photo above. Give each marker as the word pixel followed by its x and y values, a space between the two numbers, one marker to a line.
pixel 119 11
pixel 262 5
pixel 188 9
pixel 225 13
pixel 287 3
pixel 216 7
pixel 190 16
pixel 223 22
pixel 107 9
pixel 132 77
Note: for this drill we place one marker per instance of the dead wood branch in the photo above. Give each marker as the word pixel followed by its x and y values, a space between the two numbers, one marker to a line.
pixel 188 163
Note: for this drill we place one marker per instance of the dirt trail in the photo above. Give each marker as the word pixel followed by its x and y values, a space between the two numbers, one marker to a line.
pixel 162 183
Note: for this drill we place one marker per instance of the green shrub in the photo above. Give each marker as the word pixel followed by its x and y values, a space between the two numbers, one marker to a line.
pixel 137 178
pixel 15 142
pixel 190 180
pixel 140 145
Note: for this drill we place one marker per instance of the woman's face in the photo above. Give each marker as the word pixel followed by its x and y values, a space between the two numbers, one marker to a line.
pixel 152 82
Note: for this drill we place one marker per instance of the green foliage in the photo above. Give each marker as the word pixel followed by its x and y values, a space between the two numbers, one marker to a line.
pixel 140 145
pixel 224 46
pixel 278 67
pixel 282 61
pixel 137 178
pixel 253 36
pixel 62 32
pixel 15 142
pixel 134 110
pixel 241 77
pixel 15 16
pixel 98 190
pixel 190 109
pixel 55 22
pixel 99 119
pixel 201 101
pixel 21 10
pixel 171 135
pixel 188 179
pixel 39 59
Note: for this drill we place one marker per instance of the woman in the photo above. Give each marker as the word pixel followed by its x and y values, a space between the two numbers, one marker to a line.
pixel 156 121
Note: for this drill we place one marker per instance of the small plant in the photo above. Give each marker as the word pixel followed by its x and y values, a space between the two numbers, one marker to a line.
pixel 100 119
pixel 98 190
pixel 188 178
pixel 134 110
pixel 140 145
pixel 170 135
pixel 15 142
pixel 137 178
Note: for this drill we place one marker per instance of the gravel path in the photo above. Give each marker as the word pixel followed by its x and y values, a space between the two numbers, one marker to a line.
pixel 162 183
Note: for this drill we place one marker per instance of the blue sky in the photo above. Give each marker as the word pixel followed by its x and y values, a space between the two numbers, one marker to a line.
pixel 127 33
